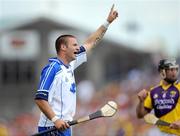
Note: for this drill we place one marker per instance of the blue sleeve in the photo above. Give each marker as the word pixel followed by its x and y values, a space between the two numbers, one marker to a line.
pixel 82 49
pixel 47 77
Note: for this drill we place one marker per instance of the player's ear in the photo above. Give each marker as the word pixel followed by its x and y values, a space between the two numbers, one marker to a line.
pixel 63 47
pixel 162 73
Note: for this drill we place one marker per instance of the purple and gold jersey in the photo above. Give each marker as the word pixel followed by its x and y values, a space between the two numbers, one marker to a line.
pixel 165 100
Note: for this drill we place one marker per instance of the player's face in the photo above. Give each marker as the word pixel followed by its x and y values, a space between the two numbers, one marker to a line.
pixel 172 74
pixel 72 49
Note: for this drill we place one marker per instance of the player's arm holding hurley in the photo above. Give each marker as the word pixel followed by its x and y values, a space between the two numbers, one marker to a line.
pixel 95 37
pixel 41 98
pixel 47 110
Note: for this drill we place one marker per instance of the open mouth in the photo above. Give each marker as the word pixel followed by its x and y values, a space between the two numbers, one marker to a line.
pixel 75 52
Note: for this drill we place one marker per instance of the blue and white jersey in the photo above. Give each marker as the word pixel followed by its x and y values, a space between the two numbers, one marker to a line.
pixel 57 86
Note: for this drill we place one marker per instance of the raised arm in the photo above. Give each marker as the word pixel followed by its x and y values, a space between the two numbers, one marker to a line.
pixel 140 110
pixel 95 37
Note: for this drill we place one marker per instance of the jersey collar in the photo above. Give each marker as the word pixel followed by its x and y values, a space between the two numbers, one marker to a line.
pixel 55 59
pixel 165 87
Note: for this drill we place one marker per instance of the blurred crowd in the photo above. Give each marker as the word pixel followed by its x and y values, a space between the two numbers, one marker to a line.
pixel 123 123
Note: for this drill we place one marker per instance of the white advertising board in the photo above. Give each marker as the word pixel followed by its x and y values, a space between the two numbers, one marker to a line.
pixel 19 45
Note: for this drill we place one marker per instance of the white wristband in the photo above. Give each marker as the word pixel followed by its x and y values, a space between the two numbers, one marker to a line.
pixel 106 24
pixel 54 119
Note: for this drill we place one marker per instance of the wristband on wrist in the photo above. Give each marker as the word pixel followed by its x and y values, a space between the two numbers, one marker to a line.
pixel 106 24
pixel 54 119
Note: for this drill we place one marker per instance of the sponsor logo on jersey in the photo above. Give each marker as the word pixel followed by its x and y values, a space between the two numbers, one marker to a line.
pixel 164 103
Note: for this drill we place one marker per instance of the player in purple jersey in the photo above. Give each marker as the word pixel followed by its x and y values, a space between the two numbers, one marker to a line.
pixel 164 98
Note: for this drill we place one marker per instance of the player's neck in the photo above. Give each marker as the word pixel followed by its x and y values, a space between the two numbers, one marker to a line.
pixel 166 83
pixel 63 59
